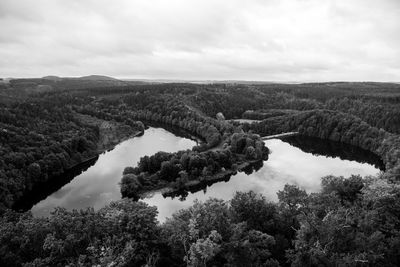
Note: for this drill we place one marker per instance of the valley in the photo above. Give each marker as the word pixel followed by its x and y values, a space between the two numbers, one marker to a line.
pixel 146 152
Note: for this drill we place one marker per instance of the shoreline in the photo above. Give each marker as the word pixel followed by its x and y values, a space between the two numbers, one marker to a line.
pixel 41 190
pixel 193 185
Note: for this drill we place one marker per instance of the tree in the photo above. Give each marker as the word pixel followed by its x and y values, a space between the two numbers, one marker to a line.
pixel 129 170
pixel 34 170
pixel 348 190
pixel 292 198
pixel 249 247
pixel 250 153
pixel 203 250
pixel 130 186
pixel 253 209
pixel 169 171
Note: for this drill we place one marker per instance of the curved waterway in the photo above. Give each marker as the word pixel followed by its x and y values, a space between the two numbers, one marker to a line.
pixel 287 164
pixel 300 161
pixel 99 184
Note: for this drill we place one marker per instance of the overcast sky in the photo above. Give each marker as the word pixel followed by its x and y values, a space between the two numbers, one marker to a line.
pixel 270 40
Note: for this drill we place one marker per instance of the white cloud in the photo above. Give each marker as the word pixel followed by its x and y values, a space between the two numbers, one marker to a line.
pixel 284 40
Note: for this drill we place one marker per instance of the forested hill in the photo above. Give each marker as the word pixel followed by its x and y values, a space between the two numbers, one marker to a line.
pixel 51 124
pixel 25 86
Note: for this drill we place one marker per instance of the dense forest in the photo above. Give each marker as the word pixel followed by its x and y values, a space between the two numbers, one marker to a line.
pixel 48 126
pixel 338 126
pixel 43 138
pixel 351 222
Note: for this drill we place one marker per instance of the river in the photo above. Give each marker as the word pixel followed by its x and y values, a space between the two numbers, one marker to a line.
pixel 287 163
pixel 99 184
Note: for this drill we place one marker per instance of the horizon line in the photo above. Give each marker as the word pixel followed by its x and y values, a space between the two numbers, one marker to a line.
pixel 204 80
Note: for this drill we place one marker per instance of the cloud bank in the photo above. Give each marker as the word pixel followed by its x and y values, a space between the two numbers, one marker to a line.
pixel 270 40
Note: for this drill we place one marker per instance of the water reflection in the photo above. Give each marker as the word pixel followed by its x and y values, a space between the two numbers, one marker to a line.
pixel 334 149
pixel 99 185
pixel 286 164
pixel 40 191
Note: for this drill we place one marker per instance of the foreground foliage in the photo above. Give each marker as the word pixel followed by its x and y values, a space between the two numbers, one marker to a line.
pixel 351 222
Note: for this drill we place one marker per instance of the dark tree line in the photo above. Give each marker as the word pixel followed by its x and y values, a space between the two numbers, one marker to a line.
pixel 334 149
pixel 38 141
pixel 341 127
pixel 41 138
pixel 351 222
pixel 262 114
pixel 386 116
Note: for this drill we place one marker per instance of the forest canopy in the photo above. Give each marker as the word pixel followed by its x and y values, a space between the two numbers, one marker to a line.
pixel 47 129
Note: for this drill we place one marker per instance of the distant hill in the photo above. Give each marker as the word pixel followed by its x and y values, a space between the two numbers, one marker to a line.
pixel 86 78
pixel 52 78
pixel 158 81
pixel 97 78
pixel 52 82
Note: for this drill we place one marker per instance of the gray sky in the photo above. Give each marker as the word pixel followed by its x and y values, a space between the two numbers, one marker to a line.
pixel 272 40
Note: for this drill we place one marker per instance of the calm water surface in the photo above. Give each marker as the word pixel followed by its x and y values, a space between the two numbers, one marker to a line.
pixel 99 185
pixel 286 164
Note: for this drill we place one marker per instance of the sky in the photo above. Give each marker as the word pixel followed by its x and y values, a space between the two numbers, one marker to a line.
pixel 265 40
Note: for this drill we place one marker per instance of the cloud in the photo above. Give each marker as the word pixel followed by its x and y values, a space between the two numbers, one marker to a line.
pixel 282 40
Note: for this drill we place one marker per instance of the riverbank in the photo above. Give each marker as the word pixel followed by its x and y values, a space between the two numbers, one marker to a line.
pixel 111 133
pixel 99 184
pixel 175 190
pixel 175 130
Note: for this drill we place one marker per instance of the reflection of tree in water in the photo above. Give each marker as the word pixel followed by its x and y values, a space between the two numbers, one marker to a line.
pixel 202 185
pixel 42 190
pixel 182 196
pixel 328 148
pixel 253 167
pixel 174 130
